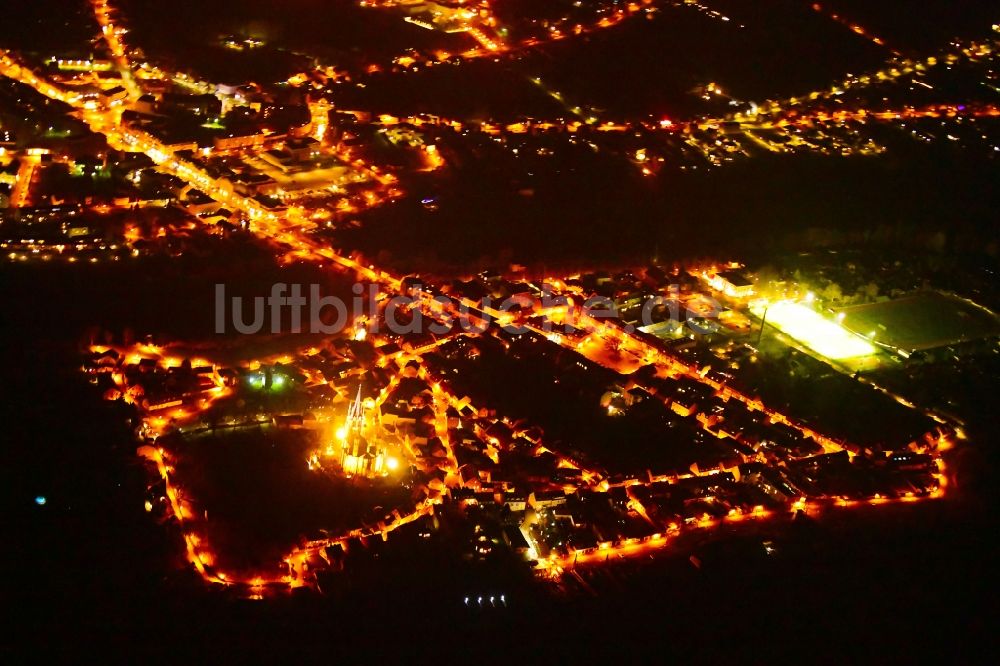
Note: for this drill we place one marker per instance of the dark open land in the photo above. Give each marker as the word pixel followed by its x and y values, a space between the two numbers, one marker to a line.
pixel 653 66
pixel 918 28
pixel 563 397
pixel 188 32
pixel 262 500
pixel 594 211
pixel 832 402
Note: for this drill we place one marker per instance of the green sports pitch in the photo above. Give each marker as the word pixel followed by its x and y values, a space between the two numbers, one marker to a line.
pixel 921 321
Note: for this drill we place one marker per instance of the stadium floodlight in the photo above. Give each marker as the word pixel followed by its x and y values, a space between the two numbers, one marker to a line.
pixel 822 335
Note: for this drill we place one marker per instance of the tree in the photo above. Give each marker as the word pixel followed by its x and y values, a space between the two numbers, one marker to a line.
pixel 832 293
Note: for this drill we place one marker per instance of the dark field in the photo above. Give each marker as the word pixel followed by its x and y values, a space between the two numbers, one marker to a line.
pixel 261 499
pixel 595 211
pixel 910 27
pixel 564 400
pixel 834 403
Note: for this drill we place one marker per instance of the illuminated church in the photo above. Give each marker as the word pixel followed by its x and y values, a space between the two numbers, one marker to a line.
pixel 360 454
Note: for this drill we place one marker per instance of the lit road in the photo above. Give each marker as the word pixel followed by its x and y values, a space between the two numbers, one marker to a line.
pixel 112 35
pixel 852 26
pixel 25 177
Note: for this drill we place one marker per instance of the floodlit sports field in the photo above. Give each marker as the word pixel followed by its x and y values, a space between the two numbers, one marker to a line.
pixel 815 331
pixel 924 320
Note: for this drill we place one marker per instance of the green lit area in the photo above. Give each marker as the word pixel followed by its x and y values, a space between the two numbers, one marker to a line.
pixel 267 380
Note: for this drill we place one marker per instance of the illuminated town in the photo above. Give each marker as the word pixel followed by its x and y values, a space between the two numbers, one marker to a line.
pixel 605 331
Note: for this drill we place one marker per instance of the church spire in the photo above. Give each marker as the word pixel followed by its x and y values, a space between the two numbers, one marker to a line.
pixel 356 413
